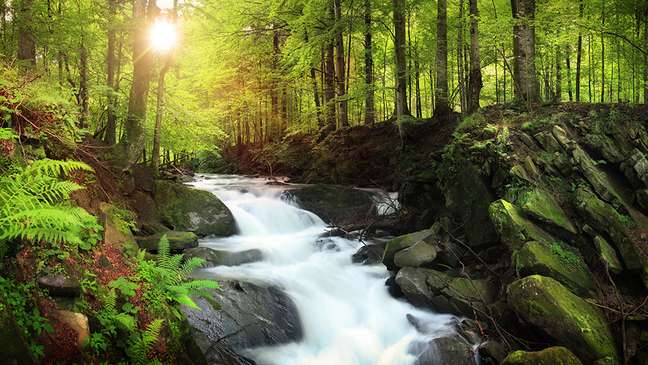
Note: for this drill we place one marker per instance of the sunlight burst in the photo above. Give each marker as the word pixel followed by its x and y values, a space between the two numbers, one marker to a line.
pixel 163 35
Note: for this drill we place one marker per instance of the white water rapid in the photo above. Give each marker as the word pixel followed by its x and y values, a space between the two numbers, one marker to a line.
pixel 348 317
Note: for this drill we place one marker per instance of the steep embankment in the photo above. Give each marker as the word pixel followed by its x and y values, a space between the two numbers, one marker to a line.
pixel 538 223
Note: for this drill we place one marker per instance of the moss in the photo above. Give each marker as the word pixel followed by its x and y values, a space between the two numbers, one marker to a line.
pixel 550 356
pixel 547 304
pixel 513 228
pixel 541 205
pixel 402 242
pixel 178 241
pixel 608 255
pixel 557 261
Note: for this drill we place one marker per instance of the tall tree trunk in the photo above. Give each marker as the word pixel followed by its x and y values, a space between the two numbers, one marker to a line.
pixel 111 59
pixel 475 82
pixel 329 86
pixel 26 38
pixel 558 94
pixel 460 68
pixel 159 112
pixel 133 139
pixel 602 52
pixel 83 84
pixel 340 65
pixel 370 109
pixel 417 77
pixel 316 99
pixel 526 79
pixel 645 57
pixel 569 73
pixel 276 121
pixel 442 108
pixel 401 62
pixel 579 52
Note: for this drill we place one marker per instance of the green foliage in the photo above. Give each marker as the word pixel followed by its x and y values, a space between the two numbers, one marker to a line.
pixel 26 315
pixel 168 277
pixel 34 206
pixel 140 343
pixel 125 286
pixel 567 256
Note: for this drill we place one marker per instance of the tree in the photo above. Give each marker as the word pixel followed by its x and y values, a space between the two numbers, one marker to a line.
pixel 475 78
pixel 26 37
pixel 340 65
pixel 442 107
pixel 526 81
pixel 370 113
pixel 400 58
pixel 111 66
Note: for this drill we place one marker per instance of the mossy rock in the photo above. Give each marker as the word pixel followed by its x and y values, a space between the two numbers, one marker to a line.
pixel 574 323
pixel 178 241
pixel 558 261
pixel 419 254
pixel 607 255
pixel 542 206
pixel 185 209
pixel 600 214
pixel 399 243
pixel 115 231
pixel 557 355
pixel 14 349
pixel 514 229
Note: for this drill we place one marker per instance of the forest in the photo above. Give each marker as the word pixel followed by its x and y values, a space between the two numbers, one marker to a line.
pixel 316 182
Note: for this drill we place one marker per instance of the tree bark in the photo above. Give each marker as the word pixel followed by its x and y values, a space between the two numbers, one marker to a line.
pixel 329 87
pixel 400 58
pixel 579 52
pixel 370 109
pixel 275 88
pixel 83 84
pixel 645 70
pixel 460 68
pixel 133 140
pixel 111 59
pixel 26 38
pixel 475 82
pixel 602 52
pixel 340 65
pixel 569 73
pixel 441 107
pixel 558 94
pixel 159 111
pixel 526 79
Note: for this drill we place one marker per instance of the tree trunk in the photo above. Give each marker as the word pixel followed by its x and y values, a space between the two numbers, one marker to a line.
pixel 111 60
pixel 275 88
pixel 526 80
pixel 475 82
pixel 417 86
pixel 460 68
pixel 316 98
pixel 602 52
pixel 441 107
pixel 579 52
pixel 645 57
pixel 159 111
pixel 340 66
pixel 569 73
pixel 558 94
pixel 133 139
pixel 370 109
pixel 83 84
pixel 26 38
pixel 329 86
pixel 401 62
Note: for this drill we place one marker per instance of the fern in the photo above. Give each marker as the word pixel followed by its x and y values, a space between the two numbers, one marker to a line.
pixel 170 276
pixel 141 343
pixel 34 206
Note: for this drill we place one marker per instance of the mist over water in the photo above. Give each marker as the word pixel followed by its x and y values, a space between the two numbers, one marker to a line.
pixel 348 317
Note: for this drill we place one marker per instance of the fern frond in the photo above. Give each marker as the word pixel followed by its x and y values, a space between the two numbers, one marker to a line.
pixel 54 168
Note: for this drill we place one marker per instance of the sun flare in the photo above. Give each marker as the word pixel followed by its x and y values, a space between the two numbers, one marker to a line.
pixel 163 35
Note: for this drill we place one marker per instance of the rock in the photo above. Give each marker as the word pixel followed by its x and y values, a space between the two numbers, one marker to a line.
pixel 249 315
pixel 604 216
pixel 548 142
pixel 562 138
pixel 14 348
pixel 369 254
pixel 542 206
pixel 467 198
pixel 60 285
pixel 340 205
pixel 595 176
pixel 642 199
pixel 78 322
pixel 143 175
pixel 445 350
pixel 639 164
pixel 115 231
pixel 607 255
pixel 402 242
pixel 225 258
pixel 491 352
pixel 443 292
pixel 558 261
pixel 513 228
pixel 178 241
pixel 419 254
pixel 186 209
pixel 549 356
pixel 574 323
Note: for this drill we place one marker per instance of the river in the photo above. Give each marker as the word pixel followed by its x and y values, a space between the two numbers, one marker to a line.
pixel 348 316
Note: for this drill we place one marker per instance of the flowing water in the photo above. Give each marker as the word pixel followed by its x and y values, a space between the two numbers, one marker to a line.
pixel 348 317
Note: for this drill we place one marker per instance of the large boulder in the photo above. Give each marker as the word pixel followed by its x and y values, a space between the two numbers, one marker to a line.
pixel 419 254
pixel 396 244
pixel 14 348
pixel 443 292
pixel 248 315
pixel 340 205
pixel 558 261
pixel 224 258
pixel 445 350
pixel 60 285
pixel 178 241
pixel 542 206
pixel 574 323
pixel 550 356
pixel 186 209
pixel 513 228
pixel 370 254
pixel 77 322
pixel 116 232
